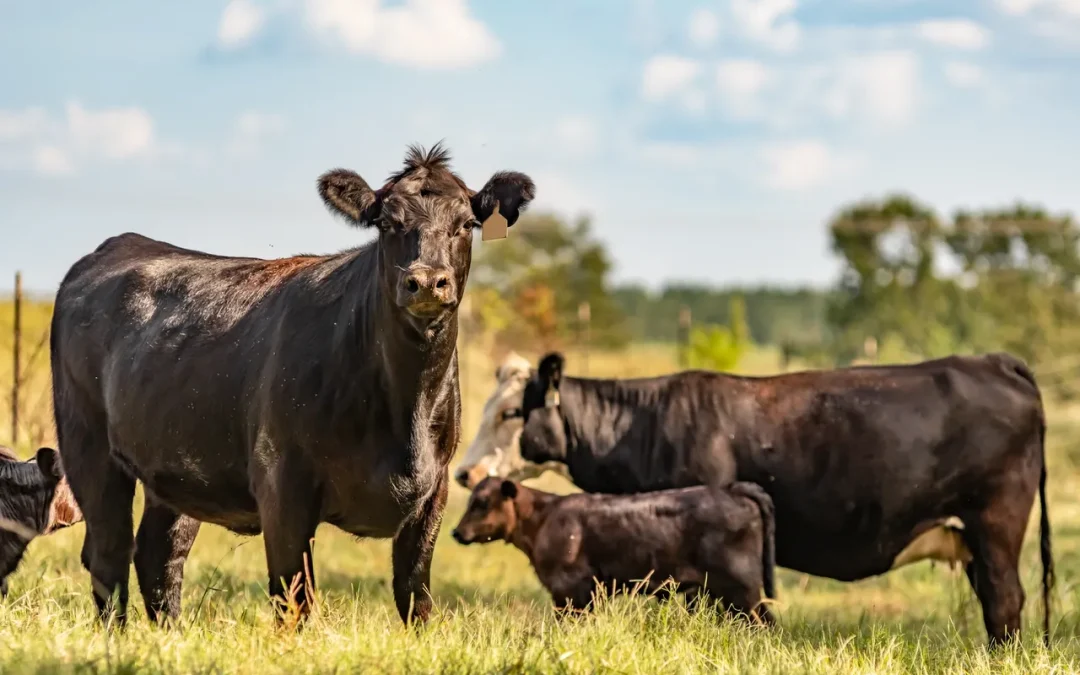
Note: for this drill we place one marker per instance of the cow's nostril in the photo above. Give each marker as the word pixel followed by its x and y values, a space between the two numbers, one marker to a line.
pixel 441 283
pixel 412 285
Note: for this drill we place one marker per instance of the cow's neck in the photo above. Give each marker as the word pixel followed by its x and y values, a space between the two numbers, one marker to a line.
pixel 597 414
pixel 412 365
pixel 531 508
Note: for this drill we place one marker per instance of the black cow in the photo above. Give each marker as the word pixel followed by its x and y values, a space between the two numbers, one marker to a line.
pixel 712 541
pixel 870 467
pixel 34 500
pixel 272 395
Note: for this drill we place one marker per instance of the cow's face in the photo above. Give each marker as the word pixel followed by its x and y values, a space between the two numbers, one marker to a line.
pixel 27 490
pixel 490 514
pixel 425 216
pixel 543 439
pixel 495 451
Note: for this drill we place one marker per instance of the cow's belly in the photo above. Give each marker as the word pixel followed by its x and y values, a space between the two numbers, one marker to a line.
pixel 852 559
pixel 219 497
pixel 371 493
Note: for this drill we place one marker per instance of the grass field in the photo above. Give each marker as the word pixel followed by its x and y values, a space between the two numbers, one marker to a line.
pixel 492 615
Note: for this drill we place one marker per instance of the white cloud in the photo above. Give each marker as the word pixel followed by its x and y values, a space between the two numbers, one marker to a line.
pixel 562 195
pixel 1057 20
pixel 803 164
pixel 18 124
pixel 52 161
pixel 956 33
pixel 963 74
pixel 57 145
pixel 704 27
pixel 740 82
pixel 240 21
pixel 114 133
pixel 666 75
pixel 425 34
pixel 251 129
pixel 1022 7
pixel 881 86
pixel 768 22
pixel 577 134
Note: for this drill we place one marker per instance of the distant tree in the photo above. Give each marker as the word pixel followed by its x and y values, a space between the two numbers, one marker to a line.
pixel 888 288
pixel 717 347
pixel 544 270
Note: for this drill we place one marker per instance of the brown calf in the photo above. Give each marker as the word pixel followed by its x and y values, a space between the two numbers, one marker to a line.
pixel 713 540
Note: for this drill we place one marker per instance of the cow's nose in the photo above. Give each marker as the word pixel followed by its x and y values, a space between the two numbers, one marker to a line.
pixel 462 477
pixel 457 537
pixel 434 282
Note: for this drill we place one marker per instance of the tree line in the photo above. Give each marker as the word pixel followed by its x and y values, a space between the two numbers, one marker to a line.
pixel 913 284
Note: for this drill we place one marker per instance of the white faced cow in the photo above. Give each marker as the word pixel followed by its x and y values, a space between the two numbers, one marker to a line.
pixel 495 451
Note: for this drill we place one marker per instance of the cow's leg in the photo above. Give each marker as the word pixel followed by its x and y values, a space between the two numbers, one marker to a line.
pixel 161 549
pixel 289 512
pixel 413 548
pixel 996 536
pixel 104 492
pixel 572 596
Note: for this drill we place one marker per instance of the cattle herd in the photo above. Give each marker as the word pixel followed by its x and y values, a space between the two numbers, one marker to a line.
pixel 269 396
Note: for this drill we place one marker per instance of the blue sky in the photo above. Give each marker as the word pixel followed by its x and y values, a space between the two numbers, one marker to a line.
pixel 710 140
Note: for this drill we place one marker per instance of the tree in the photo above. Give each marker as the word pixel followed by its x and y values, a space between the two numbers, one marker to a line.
pixel 544 270
pixel 1020 267
pixel 716 347
pixel 888 289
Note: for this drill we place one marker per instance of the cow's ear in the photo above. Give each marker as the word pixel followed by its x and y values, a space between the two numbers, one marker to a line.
pixel 510 190
pixel 48 462
pixel 346 194
pixel 551 369
pixel 509 489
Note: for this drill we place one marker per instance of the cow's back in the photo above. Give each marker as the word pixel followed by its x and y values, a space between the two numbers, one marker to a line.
pixel 165 347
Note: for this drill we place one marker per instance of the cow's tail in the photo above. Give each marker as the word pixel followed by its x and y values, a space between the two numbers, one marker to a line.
pixel 765 506
pixel 1045 551
pixel 1044 536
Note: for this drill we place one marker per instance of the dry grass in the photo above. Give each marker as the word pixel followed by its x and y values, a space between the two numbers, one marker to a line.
pixel 493 616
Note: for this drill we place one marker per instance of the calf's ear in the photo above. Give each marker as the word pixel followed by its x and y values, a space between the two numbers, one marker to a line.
pixel 346 194
pixel 48 462
pixel 509 489
pixel 510 191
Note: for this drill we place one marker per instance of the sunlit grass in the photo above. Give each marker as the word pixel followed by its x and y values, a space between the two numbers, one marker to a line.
pixel 493 616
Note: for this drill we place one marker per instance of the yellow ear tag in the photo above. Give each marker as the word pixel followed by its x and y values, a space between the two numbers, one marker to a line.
pixel 551 398
pixel 494 227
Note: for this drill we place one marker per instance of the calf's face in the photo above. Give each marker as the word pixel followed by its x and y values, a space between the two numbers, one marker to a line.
pixel 543 438
pixel 490 514
pixel 425 216
pixel 34 500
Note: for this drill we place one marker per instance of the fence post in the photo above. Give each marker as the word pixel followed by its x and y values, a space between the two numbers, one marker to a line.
pixel 683 337
pixel 16 377
pixel 584 313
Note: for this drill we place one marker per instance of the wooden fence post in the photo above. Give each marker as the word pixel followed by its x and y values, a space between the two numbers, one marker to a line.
pixel 584 313
pixel 16 376
pixel 683 337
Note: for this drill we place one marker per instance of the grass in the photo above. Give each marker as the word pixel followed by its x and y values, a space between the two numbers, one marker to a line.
pixel 492 616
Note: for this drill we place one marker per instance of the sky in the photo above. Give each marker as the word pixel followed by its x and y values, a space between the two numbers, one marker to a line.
pixel 709 141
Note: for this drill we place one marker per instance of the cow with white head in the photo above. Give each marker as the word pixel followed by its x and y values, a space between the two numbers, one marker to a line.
pixel 495 450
